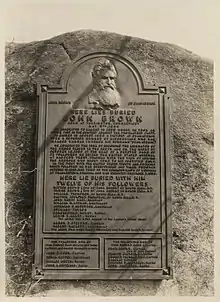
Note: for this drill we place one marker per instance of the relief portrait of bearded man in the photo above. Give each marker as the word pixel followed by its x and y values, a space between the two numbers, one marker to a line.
pixel 104 94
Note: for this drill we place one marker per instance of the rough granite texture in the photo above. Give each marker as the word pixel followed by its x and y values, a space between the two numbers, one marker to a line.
pixel 190 79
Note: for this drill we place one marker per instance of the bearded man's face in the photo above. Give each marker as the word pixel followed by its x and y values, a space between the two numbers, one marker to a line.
pixel 107 80
pixel 106 85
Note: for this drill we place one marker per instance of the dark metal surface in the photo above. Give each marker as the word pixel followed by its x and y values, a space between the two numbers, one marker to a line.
pixel 103 187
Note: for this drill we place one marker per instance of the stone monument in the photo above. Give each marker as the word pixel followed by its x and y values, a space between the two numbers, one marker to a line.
pixel 103 105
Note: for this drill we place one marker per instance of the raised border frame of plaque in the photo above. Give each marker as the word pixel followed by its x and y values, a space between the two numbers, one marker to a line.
pixel 164 237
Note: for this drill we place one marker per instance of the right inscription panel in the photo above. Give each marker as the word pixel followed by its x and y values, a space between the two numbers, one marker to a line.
pixel 103 187
pixel 138 253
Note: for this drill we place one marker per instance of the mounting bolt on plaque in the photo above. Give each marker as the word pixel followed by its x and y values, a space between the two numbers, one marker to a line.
pixel 37 273
pixel 162 89
pixel 44 88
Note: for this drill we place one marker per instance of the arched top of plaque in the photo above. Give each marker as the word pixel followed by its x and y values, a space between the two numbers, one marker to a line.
pixel 103 80
pixel 114 57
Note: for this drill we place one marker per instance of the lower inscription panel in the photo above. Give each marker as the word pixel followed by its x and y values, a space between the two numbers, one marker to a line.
pixel 71 253
pixel 133 253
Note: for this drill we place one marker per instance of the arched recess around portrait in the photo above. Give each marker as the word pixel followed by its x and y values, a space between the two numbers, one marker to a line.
pixel 77 78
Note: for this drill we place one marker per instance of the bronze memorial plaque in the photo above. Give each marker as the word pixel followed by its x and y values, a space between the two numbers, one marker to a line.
pixel 103 180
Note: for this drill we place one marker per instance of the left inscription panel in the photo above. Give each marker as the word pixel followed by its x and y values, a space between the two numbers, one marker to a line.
pixel 66 253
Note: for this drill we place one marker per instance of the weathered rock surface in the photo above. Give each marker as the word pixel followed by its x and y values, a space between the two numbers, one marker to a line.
pixel 190 79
